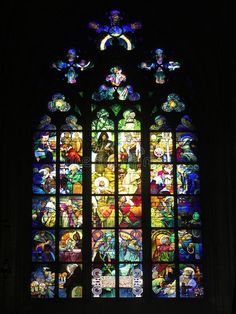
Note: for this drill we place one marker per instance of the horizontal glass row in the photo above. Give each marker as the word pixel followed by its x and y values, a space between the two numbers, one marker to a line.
pixel 103 147
pixel 130 245
pixel 129 178
pixel 103 211
pixel 130 284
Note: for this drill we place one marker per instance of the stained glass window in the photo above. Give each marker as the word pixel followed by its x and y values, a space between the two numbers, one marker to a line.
pixel 116 210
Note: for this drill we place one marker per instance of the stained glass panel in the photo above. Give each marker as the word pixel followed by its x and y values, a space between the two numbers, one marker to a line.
pixel 130 211
pixel 189 211
pixel 42 284
pixel 103 280
pixel 43 211
pixel 71 179
pixel 103 178
pixel 160 124
pixel 70 281
pixel 161 176
pixel 130 245
pixel 188 181
pixel 103 211
pixel 43 246
pixel 129 178
pixel 102 146
pixel 129 121
pixel 103 122
pixel 45 147
pixel 163 245
pixel 161 146
pixel 129 147
pixel 162 211
pixel 130 280
pixel 191 281
pixel 190 245
pixel 71 148
pixel 186 146
pixel 164 280
pixel 70 245
pixel 44 179
pixel 71 211
pixel 103 245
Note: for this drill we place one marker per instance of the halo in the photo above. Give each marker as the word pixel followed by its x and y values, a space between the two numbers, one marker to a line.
pixel 189 270
pixel 127 112
pixel 104 179
pixel 45 172
pixel 160 117
pixel 74 166
pixel 164 236
pixel 186 136
pixel 158 149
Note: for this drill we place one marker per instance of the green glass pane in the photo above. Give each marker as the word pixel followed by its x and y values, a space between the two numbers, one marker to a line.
pixel 162 211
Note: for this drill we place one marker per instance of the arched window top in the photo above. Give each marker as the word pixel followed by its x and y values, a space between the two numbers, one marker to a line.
pixel 45 124
pixel 160 124
pixel 186 124
pixel 129 122
pixel 71 124
pixel 103 121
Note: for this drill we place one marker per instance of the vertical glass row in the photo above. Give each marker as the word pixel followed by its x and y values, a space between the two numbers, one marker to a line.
pixel 71 210
pixel 189 211
pixel 162 212
pixel 116 207
pixel 44 206
pixel 57 213
pixel 175 212
pixel 103 178
pixel 130 206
